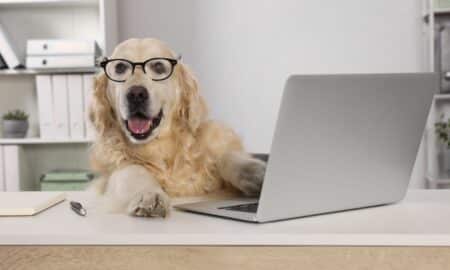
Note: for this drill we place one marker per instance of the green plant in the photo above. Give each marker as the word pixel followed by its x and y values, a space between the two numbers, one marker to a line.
pixel 15 115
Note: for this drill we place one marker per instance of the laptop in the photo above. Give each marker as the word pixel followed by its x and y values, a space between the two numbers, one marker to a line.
pixel 341 142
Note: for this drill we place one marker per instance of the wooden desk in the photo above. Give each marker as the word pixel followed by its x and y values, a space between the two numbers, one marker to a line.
pixel 413 234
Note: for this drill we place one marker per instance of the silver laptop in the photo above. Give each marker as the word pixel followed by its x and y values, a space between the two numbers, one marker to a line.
pixel 341 142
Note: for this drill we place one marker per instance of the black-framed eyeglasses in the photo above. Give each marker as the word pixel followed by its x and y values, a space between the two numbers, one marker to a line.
pixel 119 70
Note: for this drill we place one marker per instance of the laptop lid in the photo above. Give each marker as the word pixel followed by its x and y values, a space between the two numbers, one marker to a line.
pixel 344 142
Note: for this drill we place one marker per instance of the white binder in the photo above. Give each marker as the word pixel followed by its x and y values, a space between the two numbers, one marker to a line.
pixel 61 61
pixel 16 169
pixel 61 47
pixel 60 106
pixel 45 106
pixel 2 170
pixel 12 168
pixel 76 115
pixel 88 88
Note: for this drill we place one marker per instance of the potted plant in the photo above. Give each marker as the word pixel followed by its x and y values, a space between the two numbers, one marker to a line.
pixel 15 124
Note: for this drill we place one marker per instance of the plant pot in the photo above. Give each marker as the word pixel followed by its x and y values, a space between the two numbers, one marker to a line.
pixel 15 128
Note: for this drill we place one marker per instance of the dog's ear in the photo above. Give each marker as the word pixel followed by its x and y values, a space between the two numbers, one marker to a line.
pixel 192 110
pixel 101 114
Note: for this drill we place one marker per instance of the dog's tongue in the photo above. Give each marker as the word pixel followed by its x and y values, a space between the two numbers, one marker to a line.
pixel 139 125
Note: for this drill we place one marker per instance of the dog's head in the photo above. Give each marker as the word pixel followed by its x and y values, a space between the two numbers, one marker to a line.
pixel 144 92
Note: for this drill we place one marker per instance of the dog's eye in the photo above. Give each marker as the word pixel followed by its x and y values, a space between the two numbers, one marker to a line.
pixel 158 67
pixel 120 68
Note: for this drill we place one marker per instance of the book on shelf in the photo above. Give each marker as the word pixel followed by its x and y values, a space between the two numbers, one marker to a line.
pixel 7 50
pixel 45 106
pixel 15 168
pixel 68 175
pixel 11 167
pixel 88 88
pixel 64 186
pixel 65 180
pixel 441 4
pixel 60 106
pixel 76 116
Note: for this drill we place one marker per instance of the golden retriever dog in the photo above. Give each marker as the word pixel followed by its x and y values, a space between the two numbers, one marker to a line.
pixel 154 139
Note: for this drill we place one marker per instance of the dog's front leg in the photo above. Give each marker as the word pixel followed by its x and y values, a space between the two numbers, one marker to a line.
pixel 137 192
pixel 243 172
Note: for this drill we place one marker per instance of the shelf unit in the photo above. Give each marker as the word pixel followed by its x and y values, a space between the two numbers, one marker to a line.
pixel 36 140
pixel 436 12
pixel 47 19
pixel 441 97
pixel 50 19
pixel 8 72
pixel 432 14
pixel 48 2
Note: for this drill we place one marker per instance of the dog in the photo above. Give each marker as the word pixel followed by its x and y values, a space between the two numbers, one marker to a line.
pixel 153 138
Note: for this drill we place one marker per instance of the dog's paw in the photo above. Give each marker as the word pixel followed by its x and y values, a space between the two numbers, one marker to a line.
pixel 149 204
pixel 251 176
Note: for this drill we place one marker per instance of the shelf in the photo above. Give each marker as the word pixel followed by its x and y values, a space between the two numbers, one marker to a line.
pixel 442 182
pixel 438 12
pixel 440 178
pixel 48 2
pixel 440 97
pixel 17 72
pixel 7 141
pixel 8 72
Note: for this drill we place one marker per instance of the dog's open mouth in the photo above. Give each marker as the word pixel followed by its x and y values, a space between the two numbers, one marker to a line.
pixel 141 126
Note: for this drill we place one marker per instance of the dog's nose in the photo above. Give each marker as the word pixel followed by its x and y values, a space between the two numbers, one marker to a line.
pixel 137 94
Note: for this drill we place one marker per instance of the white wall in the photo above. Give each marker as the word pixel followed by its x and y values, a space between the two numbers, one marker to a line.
pixel 242 51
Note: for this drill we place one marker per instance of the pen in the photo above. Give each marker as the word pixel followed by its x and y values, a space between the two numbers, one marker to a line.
pixel 78 208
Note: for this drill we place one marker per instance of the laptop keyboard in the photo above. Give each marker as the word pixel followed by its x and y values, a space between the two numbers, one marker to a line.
pixel 248 207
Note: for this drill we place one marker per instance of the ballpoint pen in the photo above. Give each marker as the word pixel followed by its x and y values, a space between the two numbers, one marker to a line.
pixel 78 208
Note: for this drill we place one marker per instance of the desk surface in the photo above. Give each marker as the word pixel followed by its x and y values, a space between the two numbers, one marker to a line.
pixel 421 219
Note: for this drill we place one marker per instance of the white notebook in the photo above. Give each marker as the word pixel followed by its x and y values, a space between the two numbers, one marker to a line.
pixel 28 203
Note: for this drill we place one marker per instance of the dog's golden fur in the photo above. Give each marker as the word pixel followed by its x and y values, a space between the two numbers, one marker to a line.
pixel 191 155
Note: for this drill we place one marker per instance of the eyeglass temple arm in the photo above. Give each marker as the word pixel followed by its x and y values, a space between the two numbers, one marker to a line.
pixel 99 60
